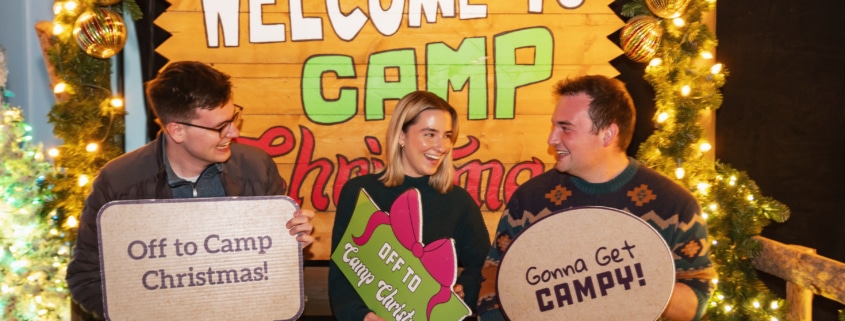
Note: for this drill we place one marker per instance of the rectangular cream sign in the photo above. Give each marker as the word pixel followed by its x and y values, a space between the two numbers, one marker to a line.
pixel 200 259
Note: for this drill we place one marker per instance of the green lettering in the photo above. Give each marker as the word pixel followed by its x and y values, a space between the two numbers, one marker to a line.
pixel 379 88
pixel 317 107
pixel 464 68
pixel 510 75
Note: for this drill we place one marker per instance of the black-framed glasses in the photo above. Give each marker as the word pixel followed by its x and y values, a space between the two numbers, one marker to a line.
pixel 224 127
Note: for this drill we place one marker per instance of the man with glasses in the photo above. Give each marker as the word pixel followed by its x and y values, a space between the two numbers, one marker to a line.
pixel 192 156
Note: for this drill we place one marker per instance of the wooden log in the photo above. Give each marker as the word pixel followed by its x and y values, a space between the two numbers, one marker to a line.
pixel 799 299
pixel 819 274
pixel 44 31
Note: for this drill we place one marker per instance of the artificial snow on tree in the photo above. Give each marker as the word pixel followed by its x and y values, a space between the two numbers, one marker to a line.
pixel 33 254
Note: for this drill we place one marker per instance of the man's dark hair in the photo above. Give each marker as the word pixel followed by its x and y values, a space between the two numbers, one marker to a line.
pixel 184 86
pixel 611 103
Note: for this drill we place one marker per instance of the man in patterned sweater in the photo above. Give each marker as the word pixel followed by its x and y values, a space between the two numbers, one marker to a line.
pixel 592 126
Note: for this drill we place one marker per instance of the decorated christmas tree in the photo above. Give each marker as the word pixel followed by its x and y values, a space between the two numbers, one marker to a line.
pixel 33 252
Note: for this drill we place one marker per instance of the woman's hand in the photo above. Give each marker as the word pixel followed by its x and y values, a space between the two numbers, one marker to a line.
pixel 459 290
pixel 300 225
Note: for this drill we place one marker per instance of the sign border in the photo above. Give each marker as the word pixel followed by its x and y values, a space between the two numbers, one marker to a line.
pixel 651 228
pixel 195 200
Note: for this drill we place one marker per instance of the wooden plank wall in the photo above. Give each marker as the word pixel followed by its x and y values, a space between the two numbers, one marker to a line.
pixel 319 93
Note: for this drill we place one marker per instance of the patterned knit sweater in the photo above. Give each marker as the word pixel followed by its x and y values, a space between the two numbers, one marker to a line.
pixel 665 205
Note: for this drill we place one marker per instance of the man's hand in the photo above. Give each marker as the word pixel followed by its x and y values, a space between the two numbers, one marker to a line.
pixel 300 225
pixel 372 317
pixel 682 305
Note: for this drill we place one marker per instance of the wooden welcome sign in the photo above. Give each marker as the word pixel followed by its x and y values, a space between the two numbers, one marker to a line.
pixel 319 81
pixel 590 263
pixel 399 278
pixel 200 259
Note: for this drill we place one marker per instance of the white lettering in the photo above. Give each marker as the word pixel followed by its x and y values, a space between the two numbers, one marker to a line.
pixel 346 27
pixel 472 11
pixel 226 13
pixel 361 270
pixel 258 31
pixel 416 8
pixel 302 28
pixel 387 21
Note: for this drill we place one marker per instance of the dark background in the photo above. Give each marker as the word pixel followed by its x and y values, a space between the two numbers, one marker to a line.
pixel 783 117
pixel 781 121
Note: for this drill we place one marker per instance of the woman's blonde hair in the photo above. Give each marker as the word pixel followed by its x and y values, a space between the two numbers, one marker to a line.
pixel 405 115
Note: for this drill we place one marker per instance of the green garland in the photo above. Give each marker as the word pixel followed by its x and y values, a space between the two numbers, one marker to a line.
pixel 687 85
pixel 89 126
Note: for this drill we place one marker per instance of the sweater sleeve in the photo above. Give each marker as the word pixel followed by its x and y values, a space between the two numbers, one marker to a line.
pixel 345 302
pixel 488 298
pixel 474 243
pixel 83 272
pixel 693 266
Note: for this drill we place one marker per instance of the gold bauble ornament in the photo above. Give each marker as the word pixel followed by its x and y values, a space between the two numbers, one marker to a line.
pixel 100 32
pixel 640 38
pixel 106 2
pixel 667 9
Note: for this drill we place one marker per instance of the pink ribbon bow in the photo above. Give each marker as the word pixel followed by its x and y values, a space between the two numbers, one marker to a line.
pixel 438 257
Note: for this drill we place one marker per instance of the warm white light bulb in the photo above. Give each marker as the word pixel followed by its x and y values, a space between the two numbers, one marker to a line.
pixel 715 69
pixel 750 197
pixel 71 6
pixel 728 308
pixel 774 305
pixel 705 147
pixel 703 187
pixel 53 152
pixel 679 172
pixel 685 90
pixel 662 117
pixel 655 62
pixel 713 206
pixel 58 29
pixel 92 147
pixel 116 102
pixel 83 180
pixel 678 22
pixel 57 8
pixel 706 55
pixel 756 304
pixel 60 87
pixel 71 222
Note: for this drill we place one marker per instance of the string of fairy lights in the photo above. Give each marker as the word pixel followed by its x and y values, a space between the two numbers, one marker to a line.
pixel 667 36
pixel 673 40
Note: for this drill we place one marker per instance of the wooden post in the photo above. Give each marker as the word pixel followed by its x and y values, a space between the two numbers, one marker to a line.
pixel 798 298
pixel 44 30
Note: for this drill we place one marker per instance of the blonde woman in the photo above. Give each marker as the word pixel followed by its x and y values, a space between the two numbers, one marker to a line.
pixel 420 137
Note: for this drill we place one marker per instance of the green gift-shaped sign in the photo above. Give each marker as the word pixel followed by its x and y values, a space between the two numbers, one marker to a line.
pixel 397 276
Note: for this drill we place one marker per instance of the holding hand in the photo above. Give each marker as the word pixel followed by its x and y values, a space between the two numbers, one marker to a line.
pixel 459 290
pixel 300 225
